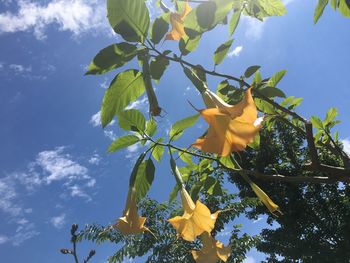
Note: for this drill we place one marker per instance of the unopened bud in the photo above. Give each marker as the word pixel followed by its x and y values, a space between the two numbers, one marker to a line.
pixel 73 229
pixel 66 251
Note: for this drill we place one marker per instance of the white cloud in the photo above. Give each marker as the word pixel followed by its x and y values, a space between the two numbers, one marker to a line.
pixel 139 104
pixel 76 16
pixel 236 52
pixel 3 239
pixel 254 28
pixel 346 144
pixel 132 151
pixel 258 220
pixel 249 259
pixel 95 159
pixel 95 119
pixel 110 134
pixel 23 233
pixel 58 221
pixel 59 166
pixel 20 68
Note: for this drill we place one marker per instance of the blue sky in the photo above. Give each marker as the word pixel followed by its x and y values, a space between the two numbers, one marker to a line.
pixel 54 169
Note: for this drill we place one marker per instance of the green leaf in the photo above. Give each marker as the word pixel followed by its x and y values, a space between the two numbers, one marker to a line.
pixel 273 81
pixel 186 157
pixel 144 178
pixel 212 186
pixel 331 114
pixel 130 19
pixel 344 7
pixel 173 193
pixel 234 21
pixel 321 5
pixel 123 142
pixel 257 78
pixel 125 88
pixel 158 150
pixel 178 127
pixel 251 70
pixel 159 28
pixel 132 120
pixel 273 7
pixel 334 4
pixel 206 16
pixel 158 66
pixel 111 57
pixel 272 92
pixel 151 127
pixel 221 52
pixel 187 45
pixel 264 106
pixel 227 162
pixel 316 122
pixel 196 81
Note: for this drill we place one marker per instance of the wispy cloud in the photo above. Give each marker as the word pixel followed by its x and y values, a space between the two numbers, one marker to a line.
pixel 17 68
pixel 95 159
pixel 140 104
pixel 49 167
pixel 236 52
pixel 58 221
pixel 76 16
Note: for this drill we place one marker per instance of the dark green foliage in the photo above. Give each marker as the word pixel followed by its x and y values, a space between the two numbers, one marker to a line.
pixel 315 225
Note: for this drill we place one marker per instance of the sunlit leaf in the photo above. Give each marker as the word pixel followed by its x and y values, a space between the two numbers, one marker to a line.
pixel 122 142
pixel 319 9
pixel 178 127
pixel 130 19
pixel 132 120
pixel 125 88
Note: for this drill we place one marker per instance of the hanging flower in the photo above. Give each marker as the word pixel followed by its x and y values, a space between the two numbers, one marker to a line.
pixel 212 250
pixel 131 222
pixel 231 127
pixel 177 23
pixel 195 220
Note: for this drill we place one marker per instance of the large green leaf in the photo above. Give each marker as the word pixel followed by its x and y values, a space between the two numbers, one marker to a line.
pixel 344 7
pixel 111 57
pixel 123 142
pixel 273 7
pixel 331 114
pixel 178 127
pixel 272 92
pixel 144 178
pixel 221 52
pixel 206 16
pixel 159 28
pixel 316 122
pixel 130 19
pixel 125 88
pixel 197 82
pixel 158 66
pixel 132 120
pixel 321 5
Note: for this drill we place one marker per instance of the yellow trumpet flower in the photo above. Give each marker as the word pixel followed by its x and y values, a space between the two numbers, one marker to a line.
pixel 131 222
pixel 177 23
pixel 196 219
pixel 231 127
pixel 212 250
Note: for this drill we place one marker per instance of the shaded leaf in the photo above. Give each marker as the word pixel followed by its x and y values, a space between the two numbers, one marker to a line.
pixel 144 178
pixel 159 28
pixel 251 70
pixel 130 19
pixel 158 66
pixel 234 21
pixel 221 52
pixel 111 57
